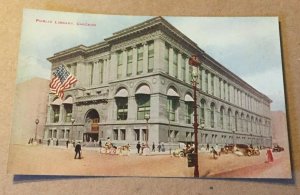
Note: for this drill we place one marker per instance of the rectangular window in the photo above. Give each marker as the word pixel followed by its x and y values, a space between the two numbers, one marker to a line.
pixel 200 79
pixel 188 112
pixel 212 84
pixel 122 108
pixel 206 81
pixel 171 108
pixel 175 63
pixel 166 57
pixel 220 88
pixel 190 73
pixel 150 57
pixel 115 134
pixel 136 134
pixel 123 134
pixel 183 61
pixel 143 106
pixel 140 51
pixel 129 62
pixel 101 65
pixel 68 112
pixel 119 63
pixel 55 109
pixel 176 134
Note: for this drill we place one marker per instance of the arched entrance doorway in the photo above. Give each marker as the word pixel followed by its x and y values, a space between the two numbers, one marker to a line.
pixel 92 120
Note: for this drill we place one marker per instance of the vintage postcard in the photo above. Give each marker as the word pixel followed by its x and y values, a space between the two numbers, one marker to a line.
pixel 108 95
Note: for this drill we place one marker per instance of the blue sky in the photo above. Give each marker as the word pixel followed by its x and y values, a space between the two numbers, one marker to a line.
pixel 247 46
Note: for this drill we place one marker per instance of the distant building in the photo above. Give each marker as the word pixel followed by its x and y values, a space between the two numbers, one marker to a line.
pixel 30 103
pixel 279 128
pixel 144 70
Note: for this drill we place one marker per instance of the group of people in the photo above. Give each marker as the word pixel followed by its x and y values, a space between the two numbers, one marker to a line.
pixel 140 147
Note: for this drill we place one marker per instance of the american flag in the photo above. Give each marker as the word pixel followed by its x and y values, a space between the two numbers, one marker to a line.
pixel 62 80
pixel 194 60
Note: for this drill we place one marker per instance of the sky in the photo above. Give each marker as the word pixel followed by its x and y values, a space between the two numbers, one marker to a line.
pixel 247 46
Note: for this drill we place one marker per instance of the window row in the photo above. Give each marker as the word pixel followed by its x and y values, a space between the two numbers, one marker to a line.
pixel 139 59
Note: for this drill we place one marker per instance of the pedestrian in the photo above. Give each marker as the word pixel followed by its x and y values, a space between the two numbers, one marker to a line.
pixel 207 146
pixel 214 152
pixel 153 147
pixel 159 147
pixel 67 143
pixel 29 141
pixel 138 147
pixel 100 143
pixel 56 142
pixel 143 146
pixel 48 142
pixel 269 156
pixel 78 150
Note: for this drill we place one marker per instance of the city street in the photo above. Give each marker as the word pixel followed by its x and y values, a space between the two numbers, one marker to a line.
pixel 58 160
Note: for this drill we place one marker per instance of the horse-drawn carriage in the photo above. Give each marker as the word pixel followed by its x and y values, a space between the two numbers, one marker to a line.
pixel 109 148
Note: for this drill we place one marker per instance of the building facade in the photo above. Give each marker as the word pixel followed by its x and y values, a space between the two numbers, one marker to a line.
pixel 144 70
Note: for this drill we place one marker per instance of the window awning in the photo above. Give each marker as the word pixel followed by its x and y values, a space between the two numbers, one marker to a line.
pixel 188 98
pixel 69 100
pixel 122 93
pixel 172 92
pixel 144 89
pixel 57 102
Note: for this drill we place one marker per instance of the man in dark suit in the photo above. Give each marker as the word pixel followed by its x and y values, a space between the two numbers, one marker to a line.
pixel 78 150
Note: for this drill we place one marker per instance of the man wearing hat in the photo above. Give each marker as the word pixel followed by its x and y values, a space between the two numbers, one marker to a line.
pixel 78 150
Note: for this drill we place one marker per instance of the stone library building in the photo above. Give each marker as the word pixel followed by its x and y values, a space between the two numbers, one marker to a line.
pixel 135 86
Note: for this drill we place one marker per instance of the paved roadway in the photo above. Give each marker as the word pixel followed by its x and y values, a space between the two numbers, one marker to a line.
pixel 41 159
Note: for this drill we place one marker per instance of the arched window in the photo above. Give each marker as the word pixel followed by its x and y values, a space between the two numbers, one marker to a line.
pixel 236 120
pixel 212 115
pixel 68 108
pixel 172 103
pixel 122 104
pixel 202 111
pixel 188 108
pixel 142 96
pixel 248 123
pixel 229 119
pixel 242 122
pixel 55 110
pixel 222 117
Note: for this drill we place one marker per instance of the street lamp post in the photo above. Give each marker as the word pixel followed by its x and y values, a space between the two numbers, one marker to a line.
pixel 72 120
pixel 36 124
pixel 194 61
pixel 147 117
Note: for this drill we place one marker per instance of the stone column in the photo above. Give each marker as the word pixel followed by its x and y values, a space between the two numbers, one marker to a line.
pixel 171 73
pixel 187 73
pixel 113 67
pixel 209 83
pixel 106 71
pixel 179 61
pixel 61 113
pixel 124 68
pixel 159 51
pixel 216 85
pixel 95 73
pixel 145 58
pixel 134 61
pixel 81 74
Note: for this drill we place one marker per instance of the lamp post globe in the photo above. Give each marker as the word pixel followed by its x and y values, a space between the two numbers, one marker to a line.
pixel 147 117
pixel 36 124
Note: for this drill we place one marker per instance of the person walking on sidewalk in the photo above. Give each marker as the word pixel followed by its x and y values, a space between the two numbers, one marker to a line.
pixel 159 147
pixel 78 150
pixel 138 147
pixel 153 147
pixel 67 143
